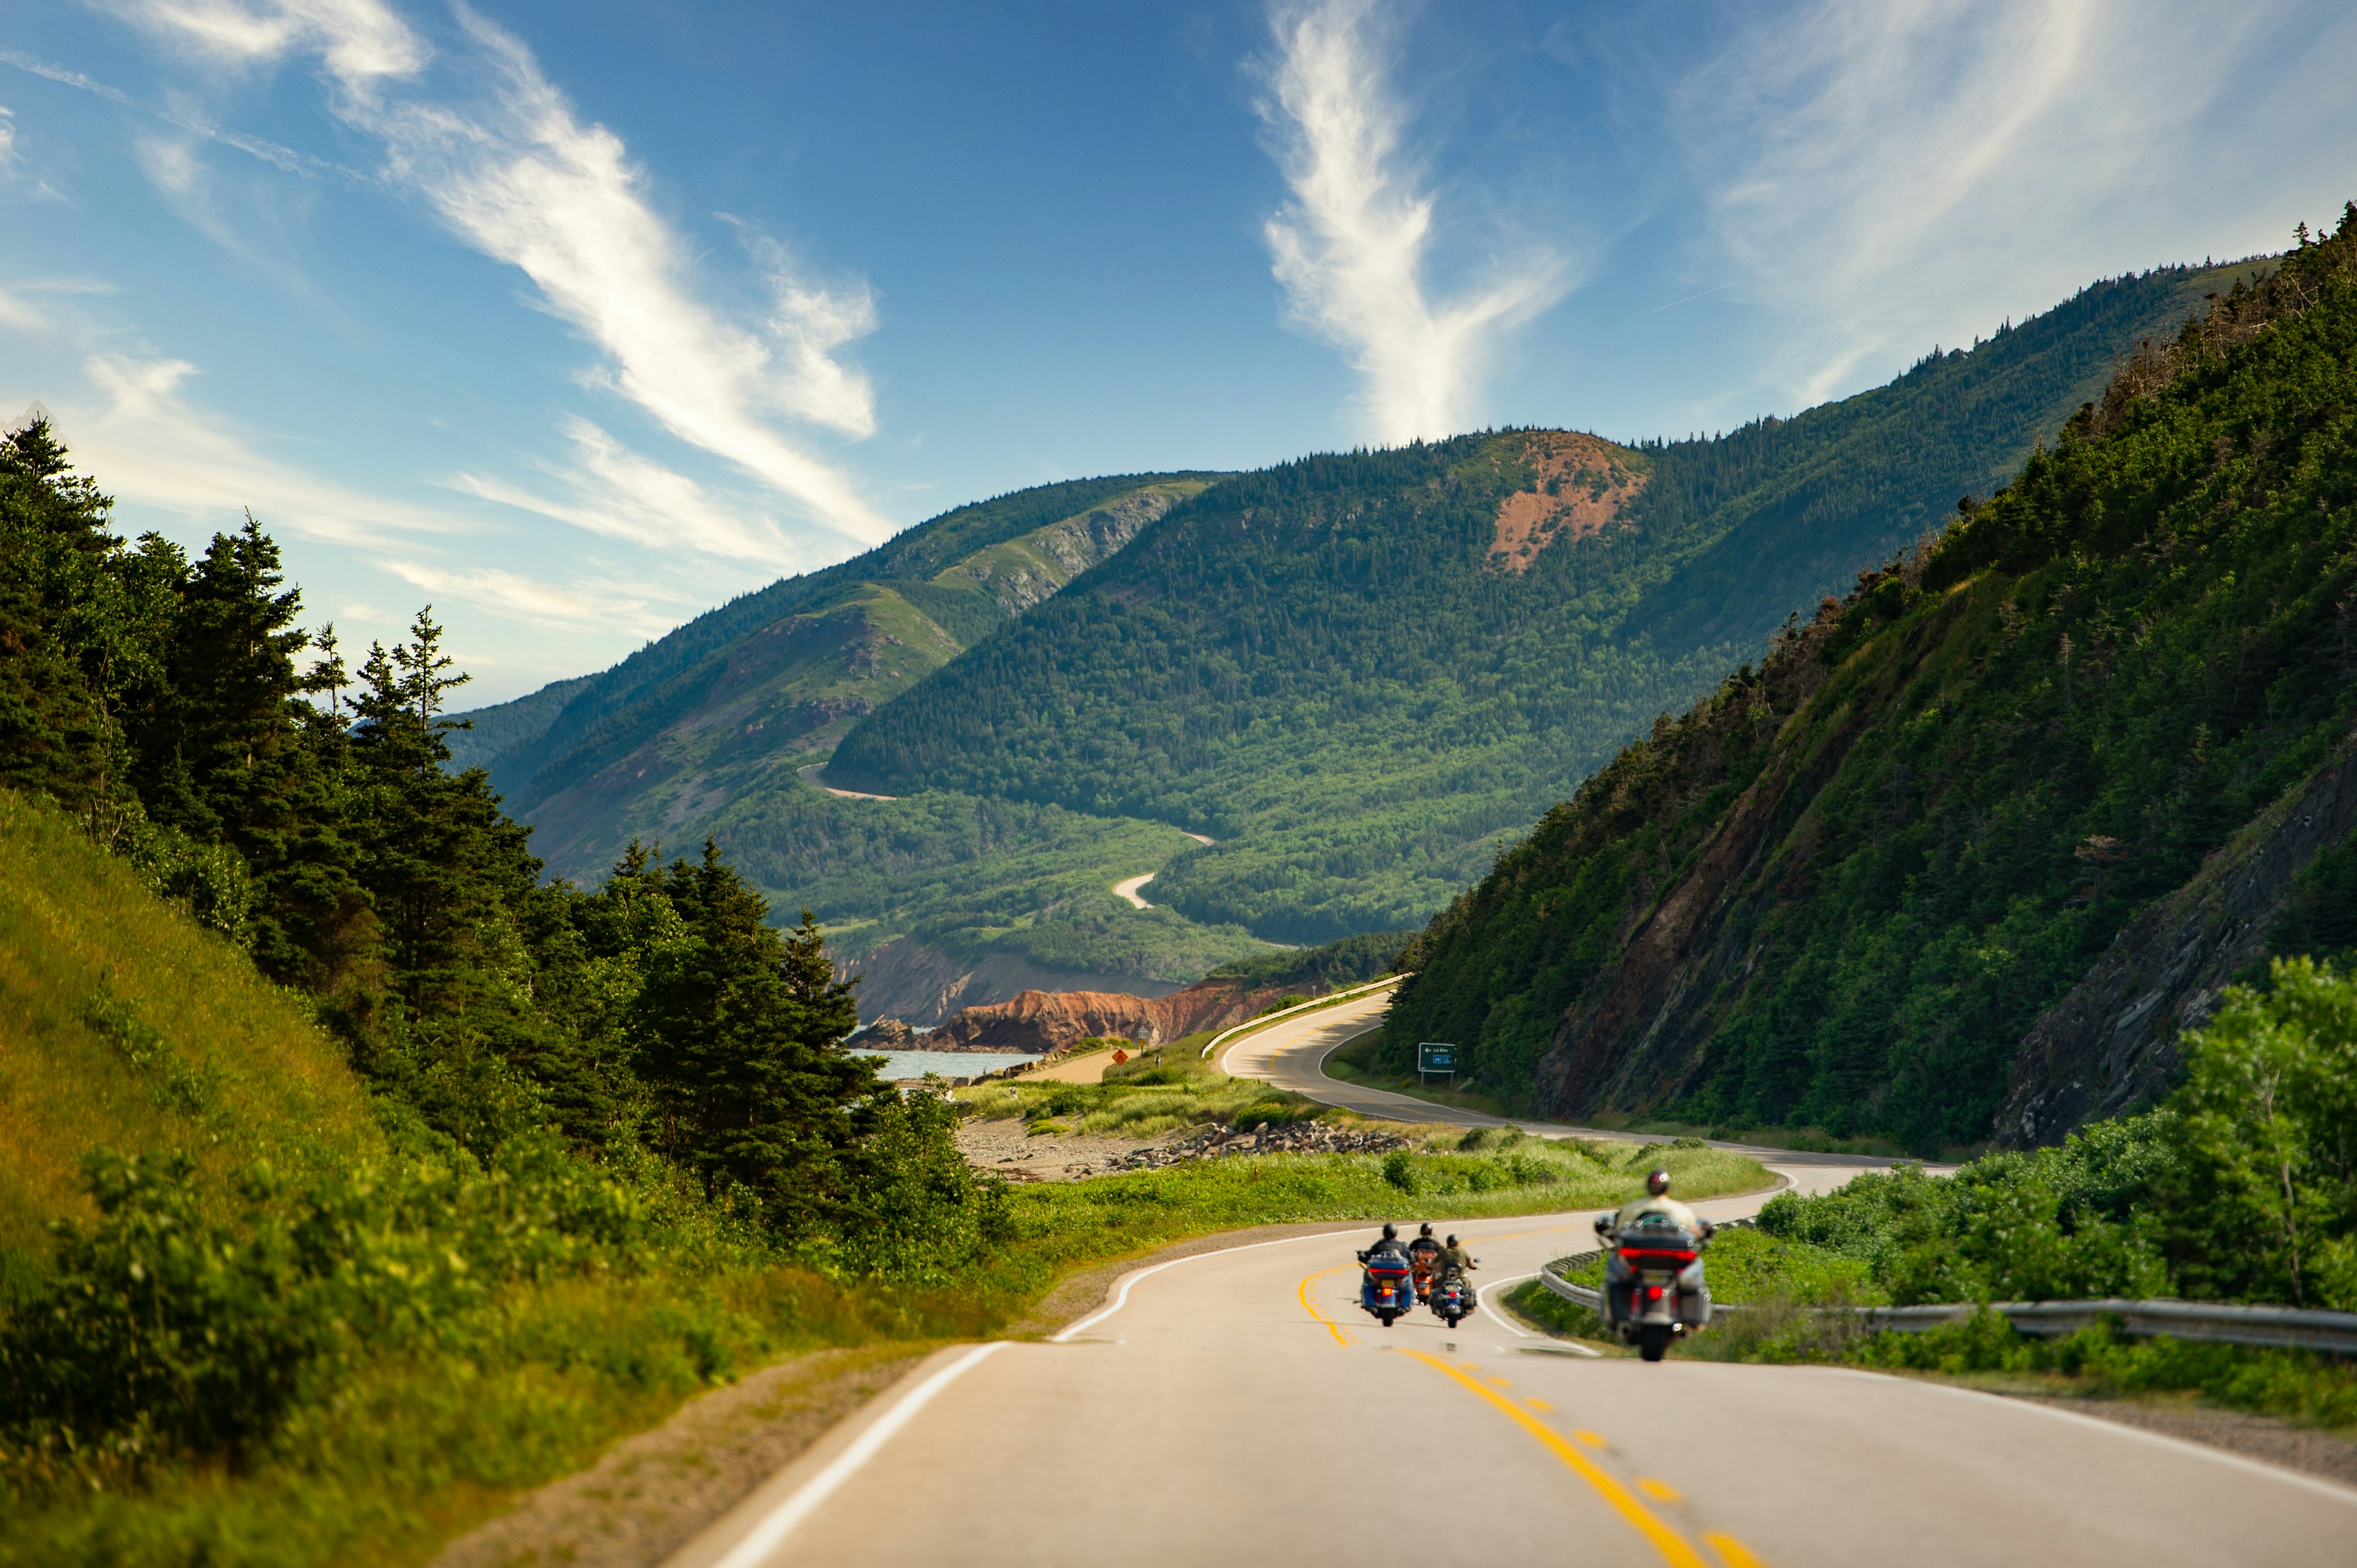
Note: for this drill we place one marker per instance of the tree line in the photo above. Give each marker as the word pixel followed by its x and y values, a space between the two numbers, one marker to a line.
pixel 178 709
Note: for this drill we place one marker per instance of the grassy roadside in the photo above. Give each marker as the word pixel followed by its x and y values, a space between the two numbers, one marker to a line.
pixel 443 1432
pixel 1783 1284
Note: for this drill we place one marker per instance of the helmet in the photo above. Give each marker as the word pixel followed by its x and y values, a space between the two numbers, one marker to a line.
pixel 1425 1228
pixel 1391 1231
pixel 1452 1240
pixel 1657 1182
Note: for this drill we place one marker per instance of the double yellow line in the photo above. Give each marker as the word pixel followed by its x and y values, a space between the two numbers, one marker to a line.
pixel 1675 1550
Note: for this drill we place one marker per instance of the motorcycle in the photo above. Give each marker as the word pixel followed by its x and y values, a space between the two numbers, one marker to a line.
pixel 1653 1287
pixel 1388 1289
pixel 1425 1263
pixel 1453 1298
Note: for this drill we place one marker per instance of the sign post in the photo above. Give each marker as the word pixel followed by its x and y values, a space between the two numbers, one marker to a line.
pixel 1432 1056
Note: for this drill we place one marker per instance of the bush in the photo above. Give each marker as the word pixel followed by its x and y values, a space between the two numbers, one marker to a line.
pixel 158 1331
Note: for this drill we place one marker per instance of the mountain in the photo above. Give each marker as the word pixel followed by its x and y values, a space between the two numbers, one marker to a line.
pixel 2056 775
pixel 664 738
pixel 1364 673
pixel 939 900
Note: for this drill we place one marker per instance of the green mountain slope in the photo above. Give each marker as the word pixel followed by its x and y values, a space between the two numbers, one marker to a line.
pixel 1364 673
pixel 125 1025
pixel 702 733
pixel 1840 890
pixel 655 746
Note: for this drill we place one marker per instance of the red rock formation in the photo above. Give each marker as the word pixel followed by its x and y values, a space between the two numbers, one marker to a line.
pixel 1051 1020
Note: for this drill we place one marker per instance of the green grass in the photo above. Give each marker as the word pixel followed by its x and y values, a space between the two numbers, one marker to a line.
pixel 128 1026
pixel 124 1025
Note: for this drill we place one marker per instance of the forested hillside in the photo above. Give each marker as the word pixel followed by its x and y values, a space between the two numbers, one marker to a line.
pixel 728 701
pixel 716 730
pixel 1363 673
pixel 1840 890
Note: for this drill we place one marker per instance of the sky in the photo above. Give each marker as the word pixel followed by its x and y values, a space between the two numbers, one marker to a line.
pixel 575 318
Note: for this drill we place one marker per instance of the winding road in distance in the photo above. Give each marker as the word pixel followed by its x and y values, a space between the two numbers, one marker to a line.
pixel 1236 1406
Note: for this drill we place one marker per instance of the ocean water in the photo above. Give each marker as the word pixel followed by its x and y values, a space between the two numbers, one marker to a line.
pixel 949 1064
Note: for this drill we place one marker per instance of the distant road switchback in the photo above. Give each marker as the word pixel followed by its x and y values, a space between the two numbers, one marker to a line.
pixel 1236 1406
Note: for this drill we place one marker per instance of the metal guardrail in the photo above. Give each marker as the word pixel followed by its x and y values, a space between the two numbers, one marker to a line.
pixel 1315 1001
pixel 2221 1323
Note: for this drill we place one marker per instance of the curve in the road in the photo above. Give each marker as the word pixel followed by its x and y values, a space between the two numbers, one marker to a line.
pixel 1128 890
pixel 1241 1408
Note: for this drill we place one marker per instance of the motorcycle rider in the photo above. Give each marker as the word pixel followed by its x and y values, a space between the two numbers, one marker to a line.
pixel 1656 1208
pixel 1657 1200
pixel 1423 1254
pixel 1455 1259
pixel 1390 1243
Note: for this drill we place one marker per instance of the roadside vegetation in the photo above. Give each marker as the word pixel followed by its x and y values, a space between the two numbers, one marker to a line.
pixel 2241 1188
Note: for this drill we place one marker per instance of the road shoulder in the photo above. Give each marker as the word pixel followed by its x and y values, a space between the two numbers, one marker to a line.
pixel 650 1494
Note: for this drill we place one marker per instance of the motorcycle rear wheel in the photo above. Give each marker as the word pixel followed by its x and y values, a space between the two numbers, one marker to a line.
pixel 1386 1313
pixel 1653 1341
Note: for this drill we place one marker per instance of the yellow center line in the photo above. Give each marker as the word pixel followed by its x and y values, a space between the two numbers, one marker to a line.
pixel 1540 1405
pixel 1312 1307
pixel 1737 1555
pixel 1593 1439
pixel 1675 1550
pixel 1659 1491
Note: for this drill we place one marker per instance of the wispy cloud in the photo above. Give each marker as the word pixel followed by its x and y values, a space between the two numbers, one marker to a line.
pixel 154 446
pixel 611 490
pixel 1353 247
pixel 361 41
pixel 1894 173
pixel 579 605
pixel 511 170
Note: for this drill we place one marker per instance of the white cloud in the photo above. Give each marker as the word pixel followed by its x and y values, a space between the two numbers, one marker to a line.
pixel 614 491
pixel 7 141
pixel 514 173
pixel 1895 173
pixel 171 165
pixel 1352 247
pixel 583 606
pixel 361 41
pixel 153 446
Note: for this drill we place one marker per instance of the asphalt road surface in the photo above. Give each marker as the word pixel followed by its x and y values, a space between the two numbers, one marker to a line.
pixel 1237 1406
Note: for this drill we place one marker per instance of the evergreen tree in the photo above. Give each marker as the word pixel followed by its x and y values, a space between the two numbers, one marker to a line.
pixel 741 1030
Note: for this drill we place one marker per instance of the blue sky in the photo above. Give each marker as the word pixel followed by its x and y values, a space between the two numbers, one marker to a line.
pixel 576 318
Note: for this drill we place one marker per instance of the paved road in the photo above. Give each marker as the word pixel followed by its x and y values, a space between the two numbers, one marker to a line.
pixel 1290 1055
pixel 1236 1406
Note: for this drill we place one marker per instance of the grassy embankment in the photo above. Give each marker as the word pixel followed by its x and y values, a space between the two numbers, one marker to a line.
pixel 1488 1171
pixel 493 1327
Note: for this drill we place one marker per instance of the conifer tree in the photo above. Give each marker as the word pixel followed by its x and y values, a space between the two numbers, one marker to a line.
pixel 741 1030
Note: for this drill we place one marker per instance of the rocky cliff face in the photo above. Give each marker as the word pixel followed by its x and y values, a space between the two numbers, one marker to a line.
pixel 1049 1021
pixel 919 984
pixel 2113 1041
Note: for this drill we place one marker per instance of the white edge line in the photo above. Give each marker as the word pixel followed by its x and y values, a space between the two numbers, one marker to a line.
pixel 1481 1294
pixel 1121 1299
pixel 764 1538
pixel 2316 1483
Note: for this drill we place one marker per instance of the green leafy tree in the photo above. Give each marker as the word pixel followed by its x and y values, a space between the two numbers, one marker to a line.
pixel 2268 1210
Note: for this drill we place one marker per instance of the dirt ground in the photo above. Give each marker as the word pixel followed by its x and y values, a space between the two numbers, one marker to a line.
pixel 1006 1148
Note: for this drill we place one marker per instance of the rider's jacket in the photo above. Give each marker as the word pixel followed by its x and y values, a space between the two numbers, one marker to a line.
pixel 1678 1213
pixel 1422 1246
pixel 1455 1259
pixel 1385 1244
